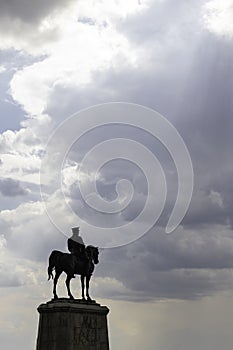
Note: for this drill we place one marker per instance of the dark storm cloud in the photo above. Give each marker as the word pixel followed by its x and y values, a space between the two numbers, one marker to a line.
pixel 20 24
pixel 31 11
pixel 11 188
pixel 183 265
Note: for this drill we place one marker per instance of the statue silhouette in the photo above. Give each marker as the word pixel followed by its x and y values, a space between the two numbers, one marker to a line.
pixel 81 261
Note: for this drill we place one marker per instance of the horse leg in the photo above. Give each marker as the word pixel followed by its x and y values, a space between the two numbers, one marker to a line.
pixel 87 287
pixel 68 278
pixel 57 275
pixel 83 286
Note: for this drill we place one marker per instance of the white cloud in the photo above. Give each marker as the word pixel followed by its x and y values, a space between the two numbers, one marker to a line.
pixel 216 198
pixel 28 231
pixel 71 59
pixel 40 35
pixel 21 150
pixel 2 69
pixel 218 17
pixel 29 25
pixel 81 50
pixel 14 271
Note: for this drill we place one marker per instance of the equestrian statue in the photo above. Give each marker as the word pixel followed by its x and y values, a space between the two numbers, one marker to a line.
pixel 80 261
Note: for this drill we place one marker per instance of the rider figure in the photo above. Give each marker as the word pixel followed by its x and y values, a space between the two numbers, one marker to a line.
pixel 75 244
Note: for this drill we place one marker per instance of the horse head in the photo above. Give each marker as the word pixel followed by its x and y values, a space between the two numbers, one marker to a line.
pixel 93 253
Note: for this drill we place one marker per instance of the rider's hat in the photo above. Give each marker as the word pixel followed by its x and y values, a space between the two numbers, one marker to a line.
pixel 75 237
pixel 75 230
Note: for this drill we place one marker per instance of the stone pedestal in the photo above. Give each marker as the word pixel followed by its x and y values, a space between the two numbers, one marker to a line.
pixel 72 325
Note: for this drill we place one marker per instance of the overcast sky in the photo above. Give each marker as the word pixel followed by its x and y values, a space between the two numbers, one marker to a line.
pixel 165 292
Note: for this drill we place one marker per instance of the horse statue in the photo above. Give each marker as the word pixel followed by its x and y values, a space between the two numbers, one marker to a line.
pixel 71 265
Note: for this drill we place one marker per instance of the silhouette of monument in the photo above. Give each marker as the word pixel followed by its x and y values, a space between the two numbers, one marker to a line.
pixel 73 324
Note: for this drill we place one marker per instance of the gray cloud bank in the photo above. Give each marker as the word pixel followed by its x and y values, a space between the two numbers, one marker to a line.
pixel 185 72
pixel 183 265
pixel 193 89
pixel 11 188
pixel 29 11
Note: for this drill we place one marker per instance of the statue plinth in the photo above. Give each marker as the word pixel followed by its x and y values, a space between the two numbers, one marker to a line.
pixel 66 324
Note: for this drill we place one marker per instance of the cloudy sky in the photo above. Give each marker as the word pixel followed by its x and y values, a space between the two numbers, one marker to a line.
pixel 165 292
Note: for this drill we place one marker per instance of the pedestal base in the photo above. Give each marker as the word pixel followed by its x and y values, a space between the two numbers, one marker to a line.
pixel 72 325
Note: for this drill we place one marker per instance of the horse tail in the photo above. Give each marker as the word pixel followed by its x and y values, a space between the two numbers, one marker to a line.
pixel 50 272
pixel 53 258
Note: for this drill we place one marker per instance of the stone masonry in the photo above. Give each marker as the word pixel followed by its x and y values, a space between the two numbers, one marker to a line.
pixel 72 325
